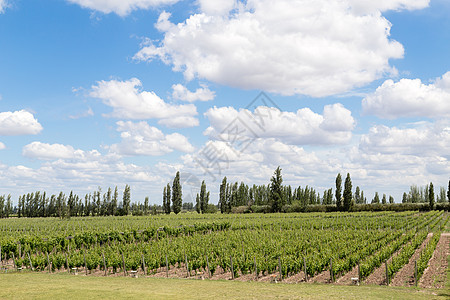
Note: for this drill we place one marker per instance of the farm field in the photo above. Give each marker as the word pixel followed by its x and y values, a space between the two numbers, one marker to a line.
pixel 323 251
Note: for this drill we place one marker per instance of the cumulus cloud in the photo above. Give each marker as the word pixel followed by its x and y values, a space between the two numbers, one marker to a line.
pixel 410 98
pixel 143 139
pixel 128 101
pixel 422 140
pixel 180 92
pixel 303 127
pixel 18 123
pixel 46 151
pixel 315 48
pixel 120 7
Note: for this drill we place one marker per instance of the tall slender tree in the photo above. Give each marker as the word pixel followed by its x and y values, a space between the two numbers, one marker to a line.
pixel 448 192
pixel 338 191
pixel 177 201
pixel 126 200
pixel 276 191
pixel 431 195
pixel 347 193
pixel 223 196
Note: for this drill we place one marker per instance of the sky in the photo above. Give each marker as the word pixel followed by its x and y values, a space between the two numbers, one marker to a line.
pixel 103 93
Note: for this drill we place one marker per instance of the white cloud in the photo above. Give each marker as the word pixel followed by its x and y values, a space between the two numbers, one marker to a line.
pixel 129 102
pixel 410 98
pixel 370 6
pixel 179 122
pixel 180 92
pixel 120 7
pixel 315 48
pixel 217 7
pixel 18 123
pixel 301 128
pixel 2 146
pixel 3 6
pixel 422 140
pixel 46 151
pixel 143 139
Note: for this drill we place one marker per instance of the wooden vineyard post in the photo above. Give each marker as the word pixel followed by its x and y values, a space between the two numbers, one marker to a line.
pixel 104 262
pixel 415 272
pixel 387 272
pixel 29 259
pixel 304 267
pixel 187 266
pixel 256 269
pixel 232 270
pixel 279 268
pixel 14 261
pixel 124 268
pixel 48 264
pixel 20 250
pixel 167 267
pixel 67 263
pixel 359 274
pixel 207 265
pixel 143 265
pixel 85 265
pixel 331 270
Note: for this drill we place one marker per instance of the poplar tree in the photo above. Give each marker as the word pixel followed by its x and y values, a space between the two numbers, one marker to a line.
pixel 383 200
pixel 203 198
pixel 276 191
pixel 176 194
pixel 431 195
pixel 223 196
pixel 448 192
pixel 376 199
pixel 338 191
pixel 347 193
pixel 126 199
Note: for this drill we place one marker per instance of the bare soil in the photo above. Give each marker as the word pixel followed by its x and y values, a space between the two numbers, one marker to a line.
pixel 405 276
pixel 435 275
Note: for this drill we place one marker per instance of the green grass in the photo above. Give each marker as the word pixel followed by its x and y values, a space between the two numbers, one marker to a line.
pixel 64 286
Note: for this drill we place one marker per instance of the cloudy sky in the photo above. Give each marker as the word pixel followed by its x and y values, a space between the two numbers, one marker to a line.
pixel 114 92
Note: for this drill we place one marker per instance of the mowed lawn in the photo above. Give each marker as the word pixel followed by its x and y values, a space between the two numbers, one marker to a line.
pixel 64 286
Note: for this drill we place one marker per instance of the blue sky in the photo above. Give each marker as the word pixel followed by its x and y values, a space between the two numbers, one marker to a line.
pixel 105 93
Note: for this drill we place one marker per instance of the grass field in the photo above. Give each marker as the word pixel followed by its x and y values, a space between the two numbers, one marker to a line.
pixel 64 286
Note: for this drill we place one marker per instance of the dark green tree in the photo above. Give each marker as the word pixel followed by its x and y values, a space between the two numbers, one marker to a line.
pixel 383 200
pixel 391 199
pixel 431 195
pixel 276 191
pixel 126 200
pixel 338 191
pixel 348 193
pixel 223 196
pixel 203 198
pixel 405 198
pixel 197 204
pixel 448 192
pixel 376 199
pixel 146 207
pixel 177 201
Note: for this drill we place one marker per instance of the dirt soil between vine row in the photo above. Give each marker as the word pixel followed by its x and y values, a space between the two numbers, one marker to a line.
pixel 435 275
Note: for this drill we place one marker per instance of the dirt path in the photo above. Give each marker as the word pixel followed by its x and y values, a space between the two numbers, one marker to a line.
pixel 435 275
pixel 405 276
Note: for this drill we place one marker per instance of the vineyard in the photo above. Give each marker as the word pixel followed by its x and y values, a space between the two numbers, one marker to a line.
pixel 315 247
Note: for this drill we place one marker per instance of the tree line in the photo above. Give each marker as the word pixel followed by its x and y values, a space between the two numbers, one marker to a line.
pixel 233 197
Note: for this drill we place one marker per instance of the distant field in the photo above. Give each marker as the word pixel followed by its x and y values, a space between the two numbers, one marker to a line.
pixel 328 250
pixel 44 286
